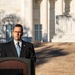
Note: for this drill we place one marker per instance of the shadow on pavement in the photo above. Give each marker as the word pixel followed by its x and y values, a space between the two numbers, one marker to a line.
pixel 47 53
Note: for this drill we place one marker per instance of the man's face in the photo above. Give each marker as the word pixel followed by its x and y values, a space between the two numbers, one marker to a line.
pixel 17 33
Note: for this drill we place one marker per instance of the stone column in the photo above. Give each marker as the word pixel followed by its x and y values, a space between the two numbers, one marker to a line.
pixel 51 19
pixel 30 17
pixel 23 12
pixel 61 5
pixel 48 21
pixel 44 20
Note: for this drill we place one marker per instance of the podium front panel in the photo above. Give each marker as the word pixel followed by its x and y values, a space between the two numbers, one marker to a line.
pixel 19 64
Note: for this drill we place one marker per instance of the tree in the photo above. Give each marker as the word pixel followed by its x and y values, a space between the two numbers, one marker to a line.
pixel 11 19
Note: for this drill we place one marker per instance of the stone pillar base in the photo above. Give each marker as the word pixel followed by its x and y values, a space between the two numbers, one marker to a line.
pixel 64 38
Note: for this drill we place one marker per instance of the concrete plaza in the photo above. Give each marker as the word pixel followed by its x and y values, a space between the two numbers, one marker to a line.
pixel 55 58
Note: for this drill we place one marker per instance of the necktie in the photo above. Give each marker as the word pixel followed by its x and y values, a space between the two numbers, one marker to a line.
pixel 18 49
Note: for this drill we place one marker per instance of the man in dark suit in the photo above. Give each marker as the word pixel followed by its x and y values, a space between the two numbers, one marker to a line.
pixel 24 49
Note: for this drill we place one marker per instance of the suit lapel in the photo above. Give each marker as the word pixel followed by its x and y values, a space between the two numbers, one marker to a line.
pixel 23 49
pixel 13 49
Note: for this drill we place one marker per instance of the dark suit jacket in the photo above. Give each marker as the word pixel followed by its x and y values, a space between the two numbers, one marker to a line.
pixel 9 50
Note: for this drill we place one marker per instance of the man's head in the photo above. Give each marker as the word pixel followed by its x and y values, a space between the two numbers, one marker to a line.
pixel 17 32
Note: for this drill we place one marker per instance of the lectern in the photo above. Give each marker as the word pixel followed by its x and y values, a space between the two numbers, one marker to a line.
pixel 16 66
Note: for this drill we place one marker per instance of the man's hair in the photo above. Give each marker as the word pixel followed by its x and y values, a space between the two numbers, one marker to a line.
pixel 18 25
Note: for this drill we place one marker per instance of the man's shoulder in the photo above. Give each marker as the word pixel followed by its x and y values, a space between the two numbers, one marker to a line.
pixel 7 43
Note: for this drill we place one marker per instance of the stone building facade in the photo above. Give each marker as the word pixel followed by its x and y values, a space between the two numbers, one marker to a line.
pixel 43 20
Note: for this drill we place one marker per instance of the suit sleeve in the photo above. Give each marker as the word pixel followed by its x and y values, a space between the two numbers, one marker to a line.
pixel 3 53
pixel 32 53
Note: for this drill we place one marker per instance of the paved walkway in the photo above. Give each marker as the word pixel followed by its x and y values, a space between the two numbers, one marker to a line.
pixel 55 58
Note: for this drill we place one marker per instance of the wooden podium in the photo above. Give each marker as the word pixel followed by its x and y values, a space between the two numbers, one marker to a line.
pixel 18 66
